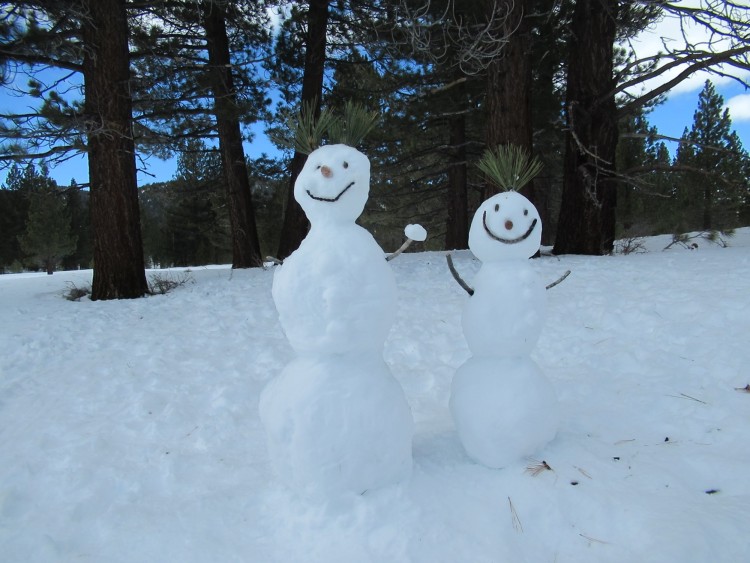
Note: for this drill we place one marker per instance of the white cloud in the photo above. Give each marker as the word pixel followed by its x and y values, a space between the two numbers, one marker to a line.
pixel 276 16
pixel 739 107
pixel 670 33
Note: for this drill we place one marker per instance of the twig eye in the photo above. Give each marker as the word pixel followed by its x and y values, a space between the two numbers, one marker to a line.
pixel 497 207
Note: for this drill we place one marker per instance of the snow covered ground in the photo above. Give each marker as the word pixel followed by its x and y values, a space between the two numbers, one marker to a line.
pixel 129 430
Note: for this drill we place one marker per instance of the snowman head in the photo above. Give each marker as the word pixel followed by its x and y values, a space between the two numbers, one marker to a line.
pixel 334 184
pixel 505 226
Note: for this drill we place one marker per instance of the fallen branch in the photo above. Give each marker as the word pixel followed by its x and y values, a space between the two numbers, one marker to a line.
pixel 684 396
pixel 558 280
pixel 589 538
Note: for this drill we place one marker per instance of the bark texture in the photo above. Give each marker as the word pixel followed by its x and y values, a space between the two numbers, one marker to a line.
pixel 115 217
pixel 244 231
pixel 457 224
pixel 509 90
pixel 587 213
pixel 295 224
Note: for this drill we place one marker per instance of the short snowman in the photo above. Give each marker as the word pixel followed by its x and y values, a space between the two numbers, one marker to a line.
pixel 336 419
pixel 503 406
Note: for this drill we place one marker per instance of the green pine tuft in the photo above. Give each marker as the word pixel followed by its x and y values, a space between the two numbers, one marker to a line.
pixel 509 167
pixel 352 128
pixel 306 132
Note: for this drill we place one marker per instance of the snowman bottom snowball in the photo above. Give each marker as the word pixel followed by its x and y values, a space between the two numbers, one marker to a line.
pixel 338 424
pixel 504 409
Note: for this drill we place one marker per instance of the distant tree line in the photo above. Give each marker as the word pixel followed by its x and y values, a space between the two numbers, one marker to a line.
pixel 123 80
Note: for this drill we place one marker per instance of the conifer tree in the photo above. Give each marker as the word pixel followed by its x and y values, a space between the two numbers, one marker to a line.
pixel 81 47
pixel 48 237
pixel 198 221
pixel 713 168
pixel 14 202
pixel 645 202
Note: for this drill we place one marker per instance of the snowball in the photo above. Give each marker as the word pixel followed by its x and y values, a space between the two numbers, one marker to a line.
pixel 334 184
pixel 506 314
pixel 504 409
pixel 505 226
pixel 415 232
pixel 337 423
pixel 336 294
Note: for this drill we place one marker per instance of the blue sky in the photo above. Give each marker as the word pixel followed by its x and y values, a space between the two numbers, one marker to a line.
pixel 670 118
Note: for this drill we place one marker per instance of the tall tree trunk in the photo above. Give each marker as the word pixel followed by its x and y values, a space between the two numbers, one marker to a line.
pixel 457 225
pixel 587 212
pixel 244 231
pixel 295 224
pixel 115 217
pixel 509 89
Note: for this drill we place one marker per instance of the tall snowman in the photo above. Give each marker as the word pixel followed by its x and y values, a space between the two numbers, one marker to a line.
pixel 335 418
pixel 503 406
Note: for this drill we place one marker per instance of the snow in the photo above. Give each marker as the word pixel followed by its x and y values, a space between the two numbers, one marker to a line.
pixel 130 432
pixel 333 185
pixel 336 293
pixel 505 227
pixel 336 298
pixel 507 312
pixel 415 232
pixel 504 408
pixel 337 424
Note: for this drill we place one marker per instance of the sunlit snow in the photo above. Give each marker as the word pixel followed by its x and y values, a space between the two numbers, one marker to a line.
pixel 129 430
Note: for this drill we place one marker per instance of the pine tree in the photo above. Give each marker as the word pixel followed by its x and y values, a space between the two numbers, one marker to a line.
pixel 80 212
pixel 645 202
pixel 48 237
pixel 81 45
pixel 14 202
pixel 198 220
pixel 713 168
pixel 195 65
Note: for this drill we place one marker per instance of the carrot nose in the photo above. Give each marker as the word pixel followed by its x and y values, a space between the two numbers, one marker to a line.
pixel 509 224
pixel 327 172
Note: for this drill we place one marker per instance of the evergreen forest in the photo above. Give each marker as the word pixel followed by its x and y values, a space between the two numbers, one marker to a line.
pixel 122 81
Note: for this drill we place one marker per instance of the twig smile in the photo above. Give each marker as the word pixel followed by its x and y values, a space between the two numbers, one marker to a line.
pixel 507 240
pixel 330 199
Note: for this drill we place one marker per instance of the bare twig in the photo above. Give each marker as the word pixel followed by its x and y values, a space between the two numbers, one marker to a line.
pixel 456 275
pixel 593 539
pixel 517 526
pixel 684 396
pixel 558 280
pixel 403 247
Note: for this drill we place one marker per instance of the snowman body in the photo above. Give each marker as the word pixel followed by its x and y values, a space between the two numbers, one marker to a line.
pixel 509 300
pixel 503 406
pixel 336 293
pixel 335 418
